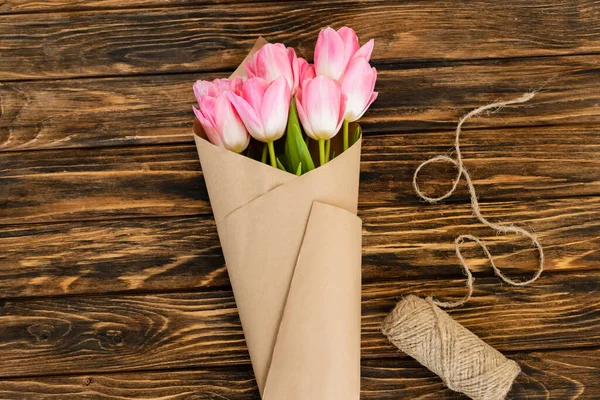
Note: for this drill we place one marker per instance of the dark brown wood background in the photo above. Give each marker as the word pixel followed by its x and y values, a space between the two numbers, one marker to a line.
pixel 112 281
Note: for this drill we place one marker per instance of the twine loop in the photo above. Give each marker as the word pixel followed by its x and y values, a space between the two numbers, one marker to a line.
pixel 501 228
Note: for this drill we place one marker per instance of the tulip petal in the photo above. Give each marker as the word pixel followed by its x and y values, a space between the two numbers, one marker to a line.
pixel 205 88
pixel 302 114
pixel 373 95
pixel 358 85
pixel 341 113
pixel 272 61
pixel 253 92
pixel 274 109
pixel 250 67
pixel 233 132
pixel 207 108
pixel 236 85
pixel 310 73
pixel 249 117
pixel 350 41
pixel 366 50
pixel 295 68
pixel 305 71
pixel 322 100
pixel 373 77
pixel 222 85
pixel 329 54
pixel 209 129
pixel 302 64
pixel 371 100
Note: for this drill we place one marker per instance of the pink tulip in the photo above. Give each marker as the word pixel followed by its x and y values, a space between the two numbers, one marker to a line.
pixel 321 107
pixel 305 70
pixel 358 85
pixel 221 123
pixel 273 61
pixel 334 50
pixel 263 107
pixel 216 87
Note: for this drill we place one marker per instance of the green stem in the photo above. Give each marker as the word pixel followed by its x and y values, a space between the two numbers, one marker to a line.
pixel 263 158
pixel 327 149
pixel 345 135
pixel 272 154
pixel 322 151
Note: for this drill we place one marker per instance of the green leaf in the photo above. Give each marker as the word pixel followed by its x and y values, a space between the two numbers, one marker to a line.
pixel 299 170
pixel 280 165
pixel 296 149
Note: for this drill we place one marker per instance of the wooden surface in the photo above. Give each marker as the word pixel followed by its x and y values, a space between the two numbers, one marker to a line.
pixel 112 280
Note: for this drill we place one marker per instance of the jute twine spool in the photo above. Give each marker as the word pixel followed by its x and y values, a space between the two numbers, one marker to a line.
pixel 465 363
pixel 425 332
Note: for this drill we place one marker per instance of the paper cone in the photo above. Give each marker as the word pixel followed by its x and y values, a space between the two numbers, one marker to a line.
pixel 292 245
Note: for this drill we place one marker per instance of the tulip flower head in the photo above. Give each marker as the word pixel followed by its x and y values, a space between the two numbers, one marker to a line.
pixel 263 107
pixel 335 49
pixel 358 85
pixel 220 121
pixel 273 61
pixel 216 87
pixel 321 106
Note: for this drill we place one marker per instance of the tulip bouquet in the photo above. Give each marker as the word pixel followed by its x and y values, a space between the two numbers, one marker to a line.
pixel 290 234
pixel 280 87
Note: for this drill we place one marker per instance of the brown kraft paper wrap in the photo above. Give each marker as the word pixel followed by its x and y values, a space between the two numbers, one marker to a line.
pixel 292 245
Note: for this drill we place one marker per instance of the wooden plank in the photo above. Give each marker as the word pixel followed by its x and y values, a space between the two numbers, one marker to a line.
pixel 410 242
pixel 516 163
pixel 413 97
pixel 556 375
pixel 29 6
pixel 192 329
pixel 199 384
pixel 193 39
pixel 112 256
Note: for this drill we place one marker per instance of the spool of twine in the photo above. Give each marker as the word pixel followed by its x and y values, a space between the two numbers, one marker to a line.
pixel 466 364
pixel 425 332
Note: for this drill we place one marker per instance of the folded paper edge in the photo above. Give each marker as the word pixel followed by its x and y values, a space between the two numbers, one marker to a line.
pixel 335 184
pixel 285 178
pixel 233 180
pixel 319 213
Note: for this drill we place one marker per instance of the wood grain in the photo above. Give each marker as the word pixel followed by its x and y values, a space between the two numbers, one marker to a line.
pixel 217 37
pixel 152 181
pixel 412 97
pixel 199 384
pixel 29 6
pixel 112 280
pixel 560 375
pixel 193 329
pixel 399 243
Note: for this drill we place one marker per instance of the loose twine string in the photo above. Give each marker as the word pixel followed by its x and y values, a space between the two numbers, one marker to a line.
pixel 462 171
pixel 425 332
